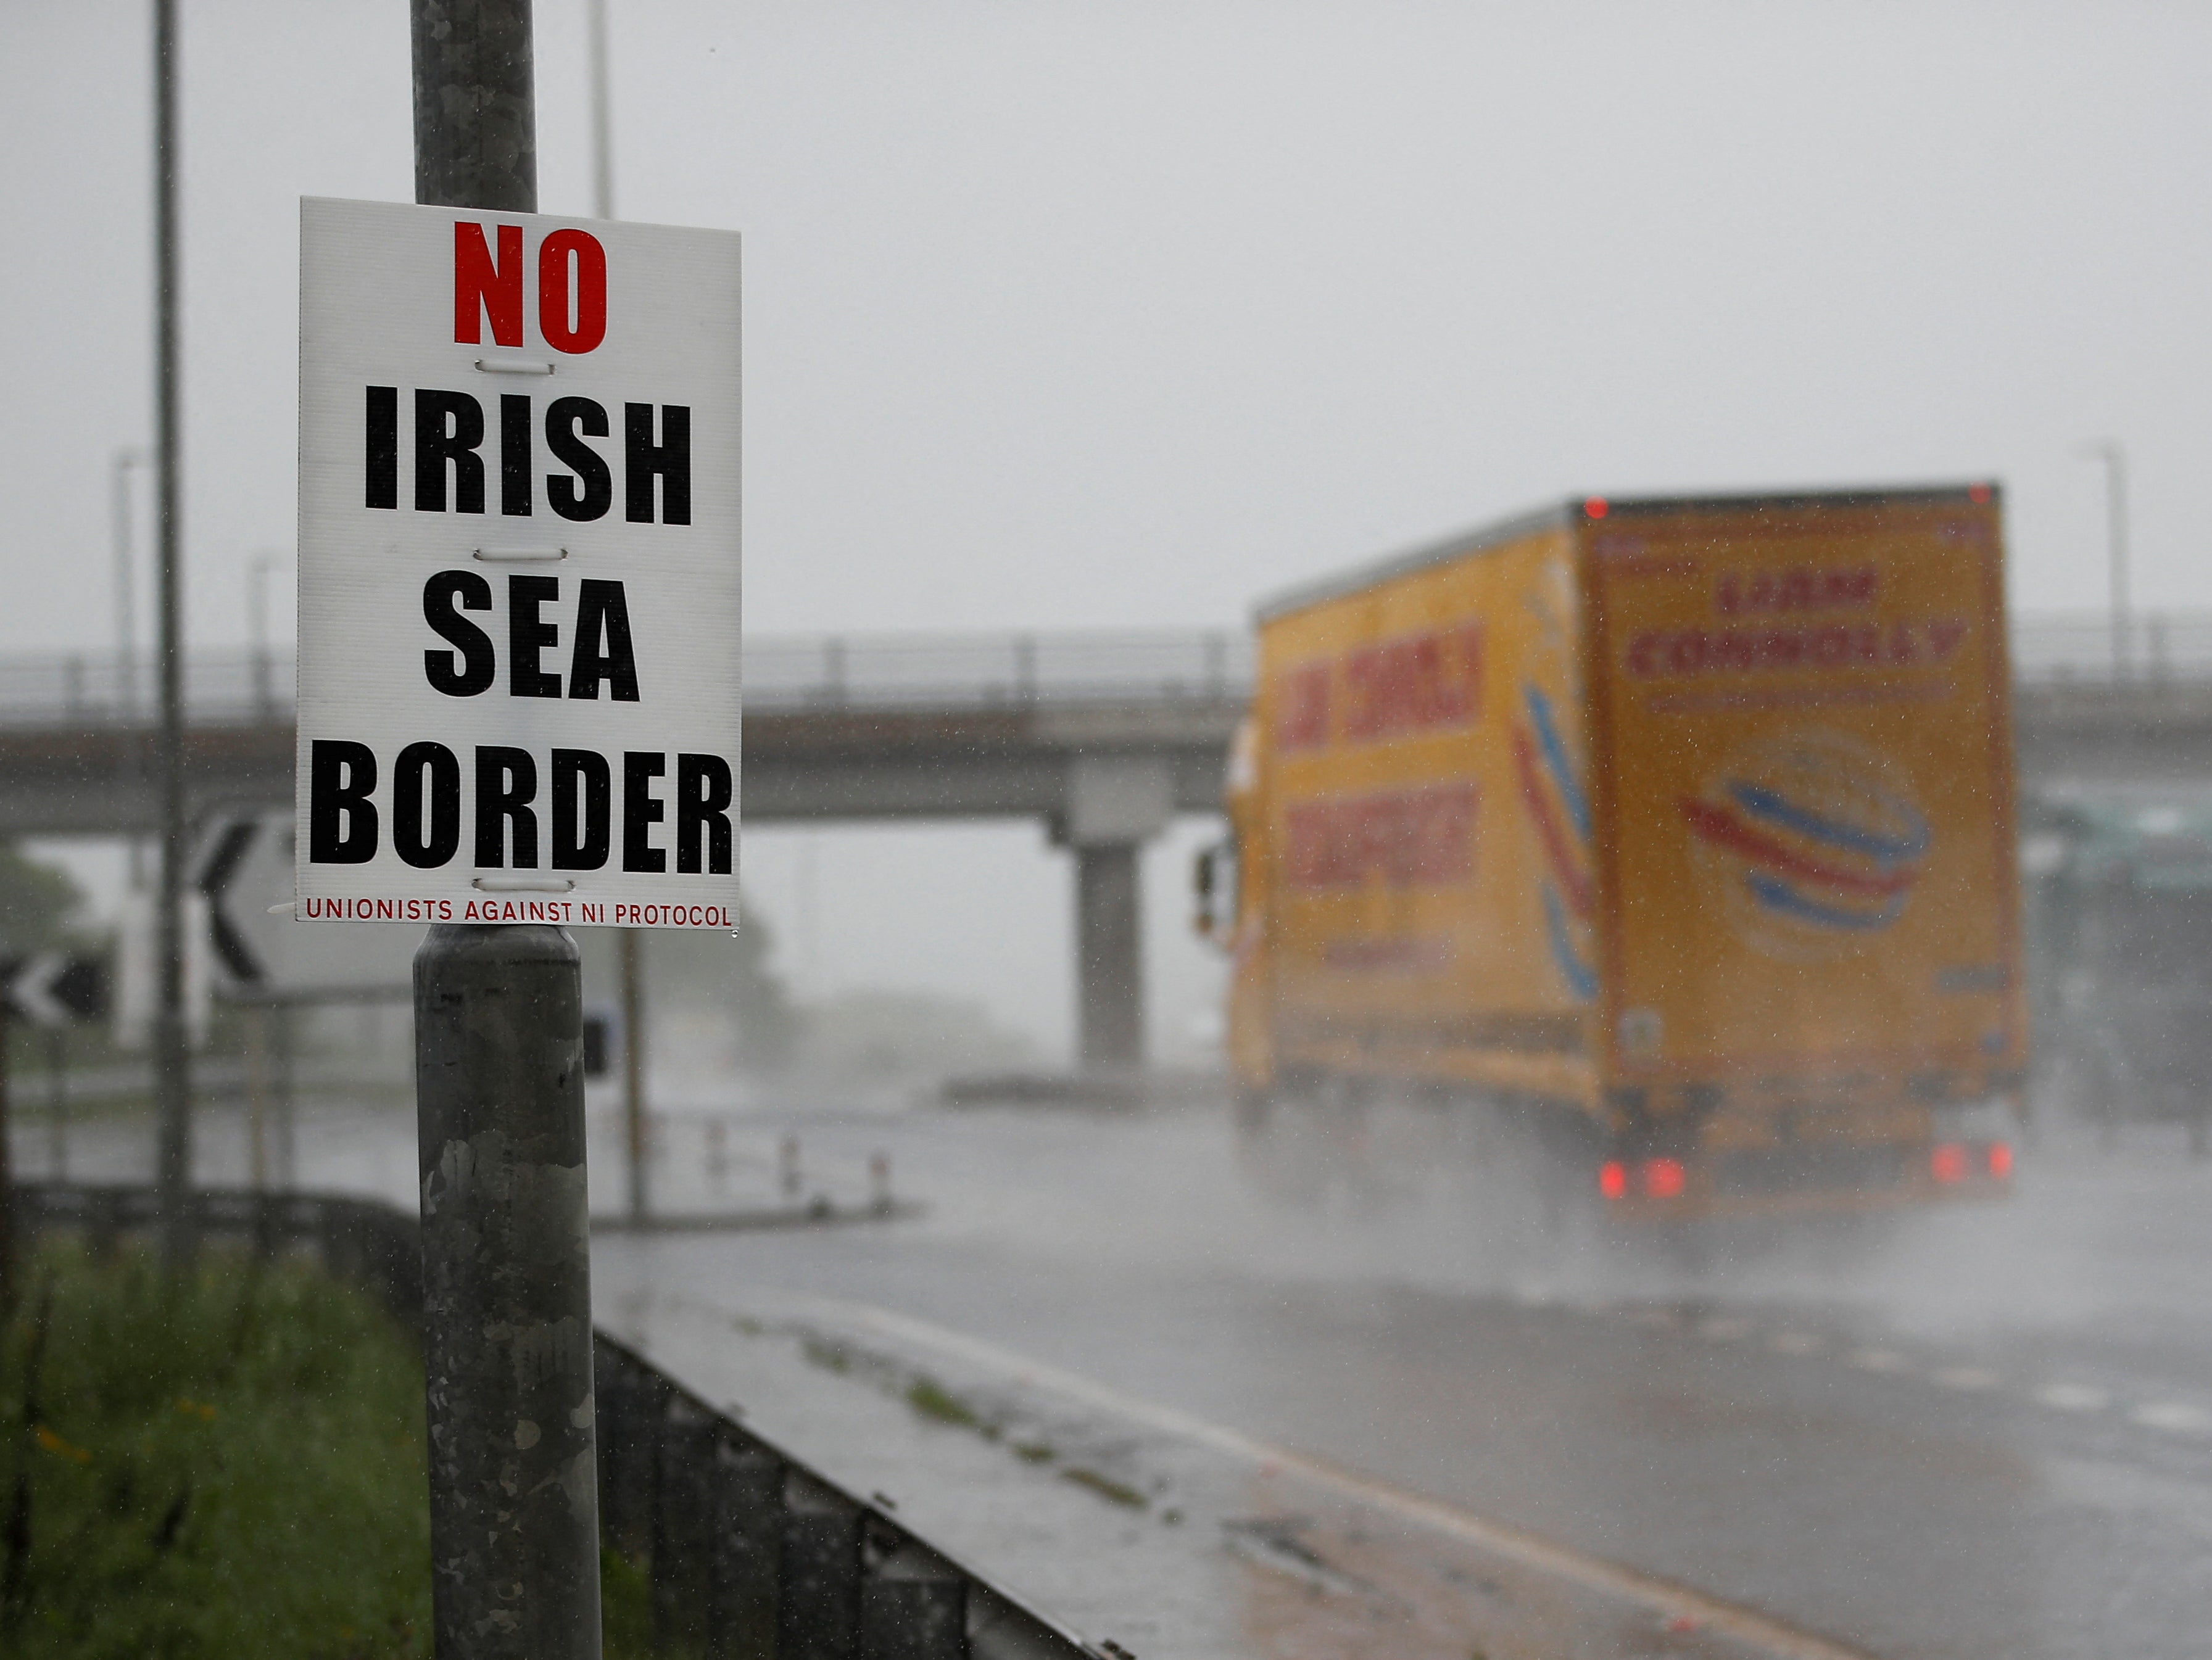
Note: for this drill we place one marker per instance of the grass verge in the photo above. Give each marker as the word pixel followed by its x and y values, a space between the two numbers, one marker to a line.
pixel 227 1465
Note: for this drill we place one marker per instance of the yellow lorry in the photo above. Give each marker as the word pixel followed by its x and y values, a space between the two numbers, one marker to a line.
pixel 1680 828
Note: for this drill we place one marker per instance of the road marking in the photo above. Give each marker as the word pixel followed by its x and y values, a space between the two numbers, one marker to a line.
pixel 1655 1317
pixel 1723 1328
pixel 1672 1604
pixel 1794 1342
pixel 2074 1397
pixel 1881 1359
pixel 1967 1377
pixel 2173 1416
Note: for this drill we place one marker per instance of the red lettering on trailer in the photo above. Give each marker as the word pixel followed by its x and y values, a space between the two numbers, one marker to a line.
pixel 1414 683
pixel 1301 707
pixel 1688 653
pixel 1797 589
pixel 1406 837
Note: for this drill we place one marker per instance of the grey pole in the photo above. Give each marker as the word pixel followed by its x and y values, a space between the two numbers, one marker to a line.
pixel 256 617
pixel 506 1298
pixel 634 1136
pixel 476 109
pixel 57 1103
pixel 2116 532
pixel 603 142
pixel 126 649
pixel 173 1082
pixel 506 1294
pixel 7 1179
pixel 2108 451
pixel 630 956
pixel 125 580
pixel 287 1138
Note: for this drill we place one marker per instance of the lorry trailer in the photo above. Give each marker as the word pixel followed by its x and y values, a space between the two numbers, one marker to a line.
pixel 1680 828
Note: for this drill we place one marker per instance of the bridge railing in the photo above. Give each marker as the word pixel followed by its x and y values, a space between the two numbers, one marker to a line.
pixel 883 672
pixel 2160 648
pixel 966 671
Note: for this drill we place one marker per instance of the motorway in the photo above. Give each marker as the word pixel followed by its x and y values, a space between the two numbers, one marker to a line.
pixel 1984 1433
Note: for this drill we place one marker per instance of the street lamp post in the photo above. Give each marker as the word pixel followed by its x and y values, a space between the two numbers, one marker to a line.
pixel 630 949
pixel 603 143
pixel 2108 451
pixel 126 584
pixel 172 1084
pixel 256 612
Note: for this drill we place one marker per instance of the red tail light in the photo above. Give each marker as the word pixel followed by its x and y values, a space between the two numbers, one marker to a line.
pixel 1613 1179
pixel 1946 1162
pixel 1664 1178
pixel 2000 1159
pixel 1596 507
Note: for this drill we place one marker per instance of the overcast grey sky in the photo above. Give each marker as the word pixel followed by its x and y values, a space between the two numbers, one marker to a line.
pixel 1067 315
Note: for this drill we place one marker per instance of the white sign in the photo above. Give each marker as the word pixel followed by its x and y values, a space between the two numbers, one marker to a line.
pixel 244 867
pixel 138 968
pixel 518 574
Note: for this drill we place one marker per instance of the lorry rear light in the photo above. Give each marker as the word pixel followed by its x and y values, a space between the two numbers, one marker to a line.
pixel 1946 1162
pixel 2000 1159
pixel 1595 507
pixel 1664 1178
pixel 1613 1179
pixel 1978 494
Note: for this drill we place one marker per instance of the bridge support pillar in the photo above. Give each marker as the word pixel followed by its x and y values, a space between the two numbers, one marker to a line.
pixel 1109 955
pixel 1114 805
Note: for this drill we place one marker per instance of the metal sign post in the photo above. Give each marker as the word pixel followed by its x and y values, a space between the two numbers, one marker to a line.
pixel 518 713
pixel 506 1292
pixel 636 1133
pixel 172 1080
pixel 49 991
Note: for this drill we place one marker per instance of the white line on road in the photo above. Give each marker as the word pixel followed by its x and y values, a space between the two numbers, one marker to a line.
pixel 1723 1328
pixel 1794 1342
pixel 2074 1397
pixel 2173 1416
pixel 1967 1378
pixel 1881 1359
pixel 1674 1604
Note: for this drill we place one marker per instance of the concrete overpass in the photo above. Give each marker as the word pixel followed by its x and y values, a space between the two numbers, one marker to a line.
pixel 1102 737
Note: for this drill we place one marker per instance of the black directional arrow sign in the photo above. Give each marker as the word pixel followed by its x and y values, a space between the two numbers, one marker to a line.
pixel 224 847
pixel 53 990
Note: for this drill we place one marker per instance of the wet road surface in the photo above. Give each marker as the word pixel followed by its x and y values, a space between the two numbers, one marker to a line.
pixel 1983 1434
pixel 1989 1435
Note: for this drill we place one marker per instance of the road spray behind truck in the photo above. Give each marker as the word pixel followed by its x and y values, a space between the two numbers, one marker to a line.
pixel 1680 831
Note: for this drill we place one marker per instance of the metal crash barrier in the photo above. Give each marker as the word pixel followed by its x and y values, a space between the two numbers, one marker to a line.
pixel 752 1555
